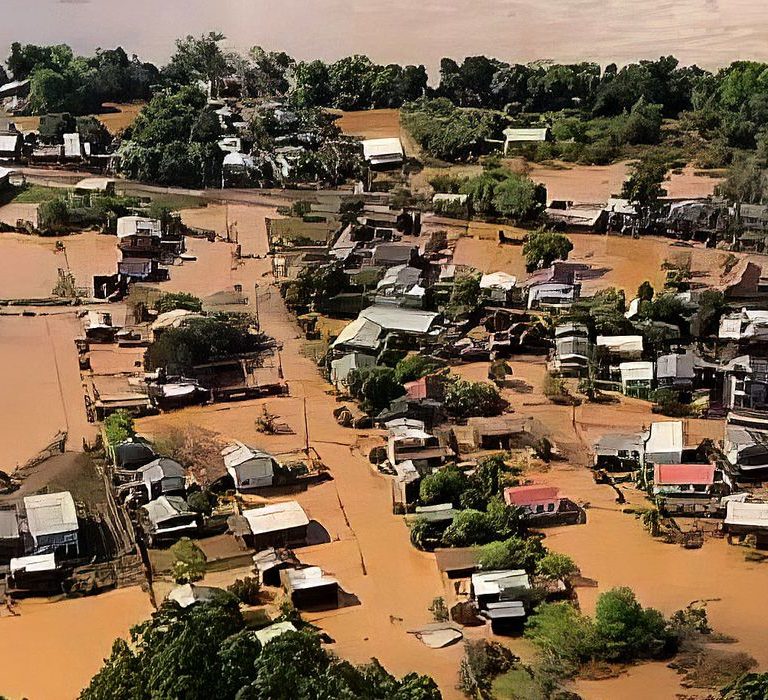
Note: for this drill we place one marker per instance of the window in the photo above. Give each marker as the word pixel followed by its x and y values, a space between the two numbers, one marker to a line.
pixel 550 507
pixel 540 508
pixel 623 454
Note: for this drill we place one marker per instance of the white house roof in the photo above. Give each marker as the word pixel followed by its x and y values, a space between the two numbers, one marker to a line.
pixel 494 582
pixel 636 371
pixel 189 593
pixel 238 453
pixel 50 513
pixel 310 577
pixel 361 332
pixel 36 562
pixel 746 514
pixel 392 318
pixel 535 134
pixel 9 142
pixel 383 150
pixel 173 318
pixel 621 343
pixel 94 183
pixel 238 160
pixel 275 517
pixel 665 436
pixel 498 280
pixel 131 225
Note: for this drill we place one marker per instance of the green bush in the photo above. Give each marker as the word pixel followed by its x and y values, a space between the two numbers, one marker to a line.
pixel 189 561
pixel 119 427
pixel 170 301
pixel 246 590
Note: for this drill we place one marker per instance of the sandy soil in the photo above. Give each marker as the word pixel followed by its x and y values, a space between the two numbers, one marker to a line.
pixel 70 637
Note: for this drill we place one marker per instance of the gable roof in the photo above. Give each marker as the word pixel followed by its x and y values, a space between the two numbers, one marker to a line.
pixel 238 453
pixel 398 319
pixel 665 436
pixel 529 495
pixel 746 514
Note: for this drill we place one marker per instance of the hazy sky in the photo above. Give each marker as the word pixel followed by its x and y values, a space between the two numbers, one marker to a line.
pixel 709 32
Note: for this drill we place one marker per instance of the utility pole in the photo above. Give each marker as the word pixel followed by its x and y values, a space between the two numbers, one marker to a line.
pixel 306 427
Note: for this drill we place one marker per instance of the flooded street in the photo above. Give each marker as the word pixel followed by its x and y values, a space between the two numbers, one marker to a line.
pixel 63 642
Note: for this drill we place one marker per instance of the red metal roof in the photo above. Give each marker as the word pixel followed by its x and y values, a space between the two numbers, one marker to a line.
pixel 680 474
pixel 527 495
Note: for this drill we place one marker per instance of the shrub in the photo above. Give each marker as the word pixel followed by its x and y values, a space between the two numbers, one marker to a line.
pixel 465 398
pixel 513 553
pixel 119 427
pixel 443 486
pixel 556 566
pixel 246 590
pixel 201 502
pixel 171 301
pixel 469 527
pixel 189 564
pixel 542 248
pixel 415 367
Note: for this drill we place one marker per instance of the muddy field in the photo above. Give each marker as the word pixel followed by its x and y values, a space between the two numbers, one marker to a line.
pixel 616 260
pixel 115 117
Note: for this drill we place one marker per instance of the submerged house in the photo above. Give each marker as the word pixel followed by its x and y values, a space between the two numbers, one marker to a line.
pixel 543 505
pixel 274 525
pixel 162 477
pixel 250 468
pixel 51 520
pixel 310 587
pixel 496 586
pixel 498 289
pixel 675 480
pixel 616 452
pixel 746 451
pixel 166 519
pixel 663 443
pixel 408 441
pixel 344 365
pixel 383 153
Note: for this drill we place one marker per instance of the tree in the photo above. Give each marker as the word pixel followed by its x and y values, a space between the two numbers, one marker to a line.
pixel 198 58
pixel 170 301
pixel 374 387
pixel 215 337
pixel 750 686
pixel 562 634
pixel 746 180
pixel 443 486
pixel 469 527
pixel 643 125
pixel 643 187
pixel 518 198
pixel 119 427
pixel 465 398
pixel 645 291
pixel 542 248
pixel 53 215
pixel 415 367
pixel 246 590
pixel 512 553
pixel 189 564
pixel 556 566
pixel 624 630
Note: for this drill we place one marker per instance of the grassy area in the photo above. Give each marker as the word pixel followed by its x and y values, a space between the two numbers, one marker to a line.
pixel 516 684
pixel 35 194
pixel 178 201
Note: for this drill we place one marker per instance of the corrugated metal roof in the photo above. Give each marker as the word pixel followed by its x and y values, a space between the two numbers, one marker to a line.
pixel 9 525
pixel 665 436
pixel 621 343
pixel 529 495
pixel 494 582
pixel 636 371
pixel 50 513
pixel 237 453
pixel 522 135
pixel 747 514
pixel 382 148
pixel 361 333
pixel 275 517
pixel 392 318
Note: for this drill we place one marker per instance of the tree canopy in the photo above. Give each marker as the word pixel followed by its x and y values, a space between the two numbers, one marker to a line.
pixel 542 248
pixel 207 651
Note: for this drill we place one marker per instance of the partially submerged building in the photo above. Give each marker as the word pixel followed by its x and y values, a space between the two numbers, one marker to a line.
pixel 310 587
pixel 166 519
pixel 249 467
pixel 51 521
pixel 273 525
pixel 543 506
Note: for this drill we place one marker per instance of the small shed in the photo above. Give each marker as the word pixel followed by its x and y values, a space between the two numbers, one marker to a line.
pixel 747 519
pixel 310 587
pixel 276 524
pixel 683 479
pixel 636 379
pixel 507 617
pixel 138 226
pixel 52 523
pixel 664 443
pixel 514 137
pixel 249 467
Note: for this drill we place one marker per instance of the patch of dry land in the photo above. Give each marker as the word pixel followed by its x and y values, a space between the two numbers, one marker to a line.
pixel 116 117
